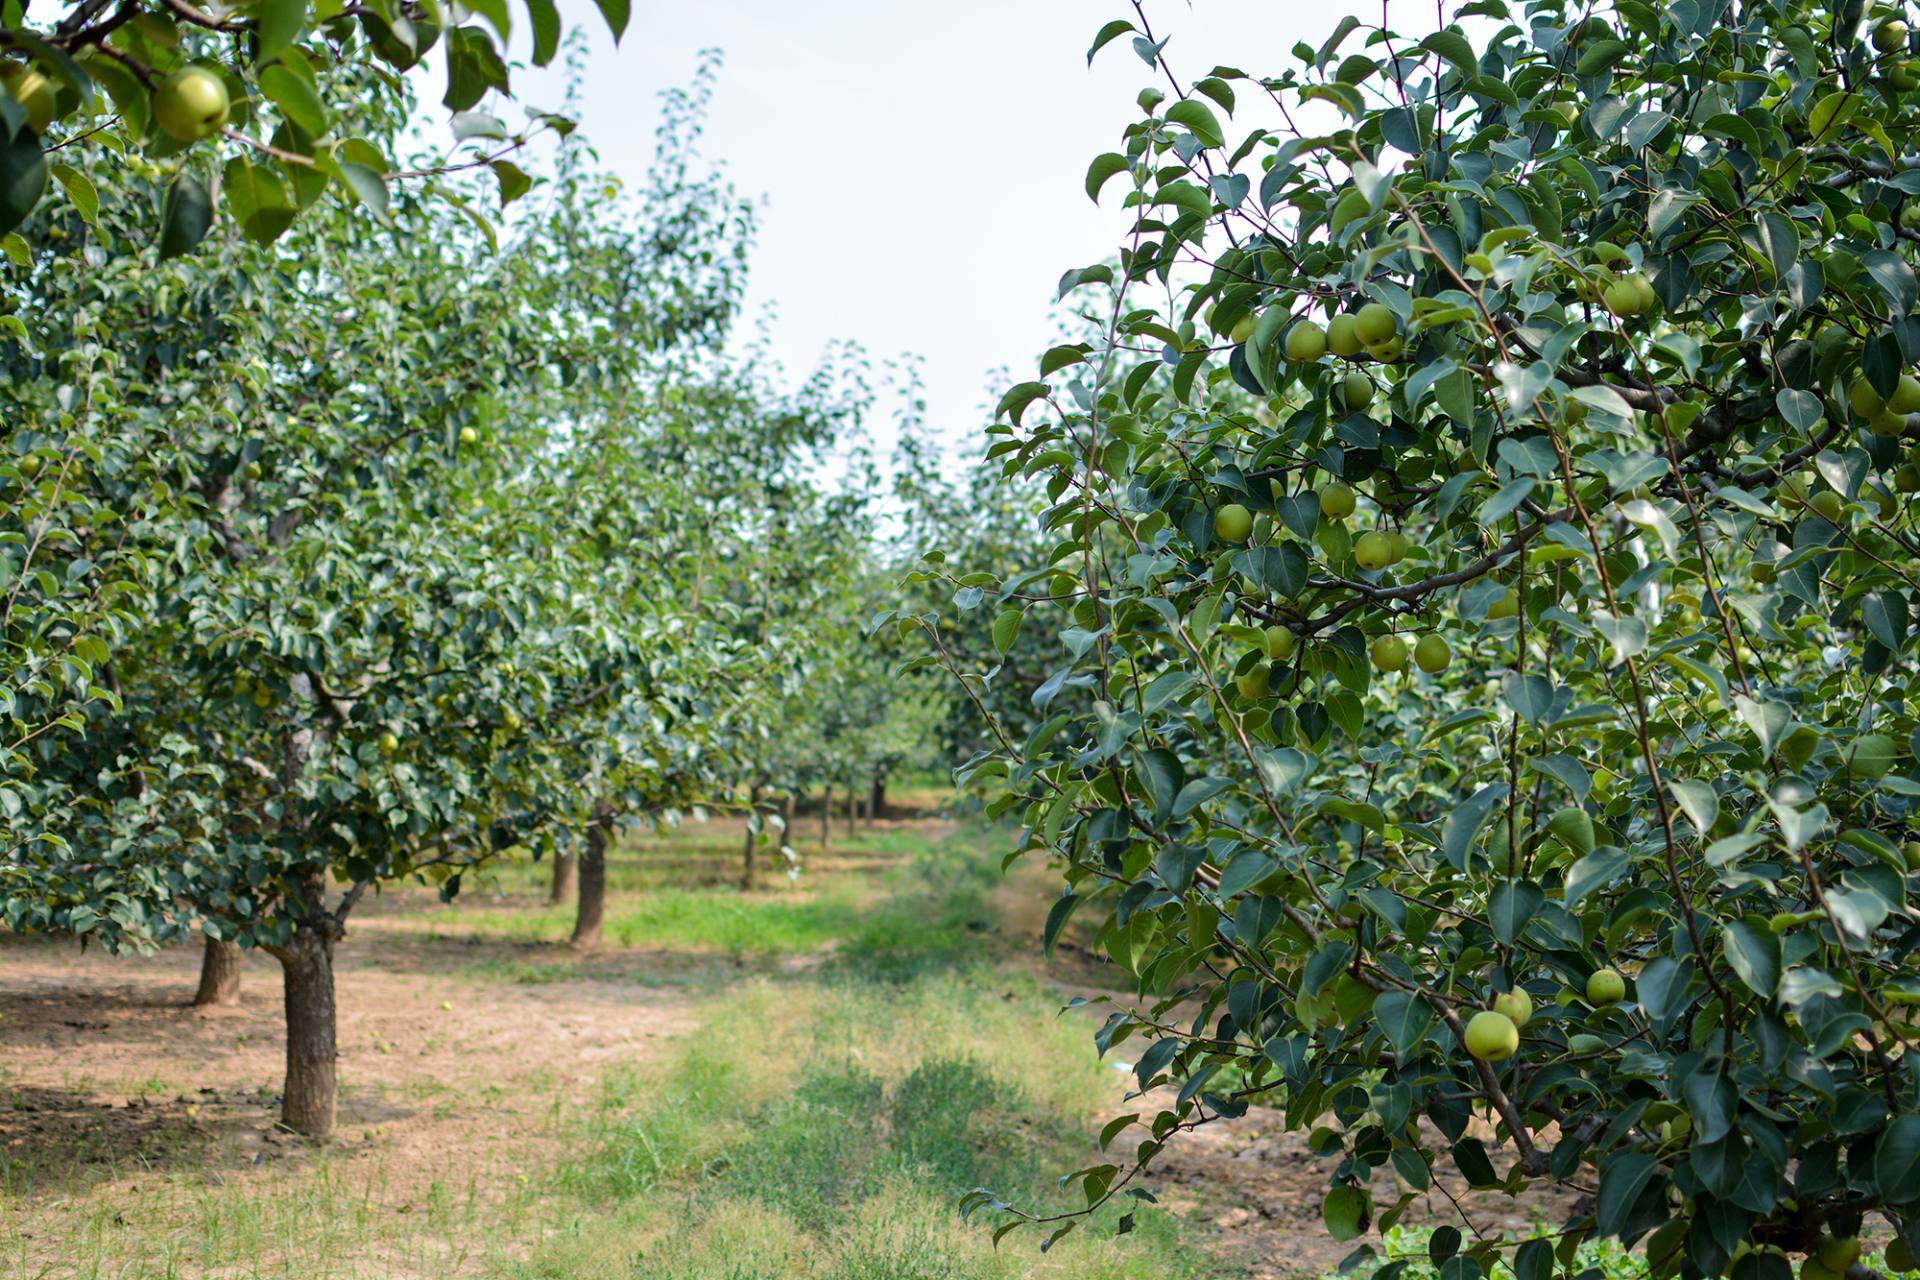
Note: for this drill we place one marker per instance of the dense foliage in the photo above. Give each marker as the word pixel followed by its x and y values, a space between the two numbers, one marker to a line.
pixel 1478 585
pixel 397 547
pixel 260 84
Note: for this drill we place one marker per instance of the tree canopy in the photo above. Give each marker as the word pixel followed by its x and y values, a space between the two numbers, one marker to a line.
pixel 1477 581
pixel 262 85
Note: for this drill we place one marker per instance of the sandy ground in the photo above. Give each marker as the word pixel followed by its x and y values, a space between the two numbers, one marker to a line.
pixel 109 1082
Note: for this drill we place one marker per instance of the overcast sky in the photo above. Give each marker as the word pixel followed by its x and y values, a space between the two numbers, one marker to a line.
pixel 921 164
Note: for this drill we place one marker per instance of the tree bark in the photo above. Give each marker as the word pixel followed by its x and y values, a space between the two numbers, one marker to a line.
pixel 562 887
pixel 877 796
pixel 308 1103
pixel 753 838
pixel 589 922
pixel 219 974
pixel 826 817
pixel 853 807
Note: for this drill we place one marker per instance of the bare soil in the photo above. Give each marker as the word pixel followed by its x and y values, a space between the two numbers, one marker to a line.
pixel 108 1080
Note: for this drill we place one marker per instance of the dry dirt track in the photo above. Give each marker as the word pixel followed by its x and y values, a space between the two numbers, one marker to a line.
pixel 446 1082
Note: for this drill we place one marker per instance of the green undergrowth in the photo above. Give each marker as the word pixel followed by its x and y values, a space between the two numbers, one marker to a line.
pixel 852 901
pixel 825 1130
pixel 1593 1260
pixel 823 1126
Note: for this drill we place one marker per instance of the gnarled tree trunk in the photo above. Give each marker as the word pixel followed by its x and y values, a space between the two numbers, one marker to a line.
pixel 562 886
pixel 219 974
pixel 308 1102
pixel 590 920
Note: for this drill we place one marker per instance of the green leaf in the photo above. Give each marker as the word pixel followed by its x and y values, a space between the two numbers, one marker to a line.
pixel 544 18
pixel 1057 917
pixel 1801 409
pixel 1728 125
pixel 1753 952
pixel 1622 1180
pixel 1198 117
pixel 278 25
pixel 513 180
pixel 368 187
pixel 1404 1017
pixel 23 178
pixel 1530 696
pixel 296 97
pixel 1511 905
pixel 186 216
pixel 1455 48
pixel 1592 872
pixel 1014 403
pixel 1347 1211
pixel 1896 1161
pixel 1163 775
pixel 79 190
pixel 1006 625
pixel 1699 801
pixel 1463 824
pixel 258 199
pixel 1831 112
pixel 616 12
pixel 1601 55
pixel 1781 240
pixel 1107 35
pixel 1103 168
pixel 1896 279
pixel 497 16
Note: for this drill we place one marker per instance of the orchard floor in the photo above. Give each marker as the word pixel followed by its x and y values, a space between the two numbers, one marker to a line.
pixel 794 1081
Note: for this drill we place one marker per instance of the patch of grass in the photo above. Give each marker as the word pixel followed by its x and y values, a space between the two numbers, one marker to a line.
pixel 676 919
pixel 824 1130
pixel 927 911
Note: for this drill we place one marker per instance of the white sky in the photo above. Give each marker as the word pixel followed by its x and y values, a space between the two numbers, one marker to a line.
pixel 921 164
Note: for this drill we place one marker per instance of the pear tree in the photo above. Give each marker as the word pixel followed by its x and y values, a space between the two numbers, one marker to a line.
pixel 1568 838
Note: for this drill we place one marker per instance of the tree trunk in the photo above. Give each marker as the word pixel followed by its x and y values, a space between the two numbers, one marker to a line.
pixel 219 974
pixel 877 796
pixel 753 838
pixel 562 886
pixel 853 807
pixel 826 817
pixel 589 922
pixel 307 1104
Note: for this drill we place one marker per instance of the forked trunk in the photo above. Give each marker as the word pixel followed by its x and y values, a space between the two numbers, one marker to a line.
pixel 312 1090
pixel 590 920
pixel 562 886
pixel 219 974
